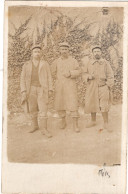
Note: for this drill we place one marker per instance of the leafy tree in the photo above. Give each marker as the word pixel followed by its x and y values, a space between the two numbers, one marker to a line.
pixel 63 29
pixel 18 53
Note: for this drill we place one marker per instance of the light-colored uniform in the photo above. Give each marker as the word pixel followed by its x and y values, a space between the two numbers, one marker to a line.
pixel 65 88
pixel 36 87
pixel 97 97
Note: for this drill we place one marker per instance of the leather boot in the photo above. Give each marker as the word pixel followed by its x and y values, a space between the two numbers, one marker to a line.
pixel 91 124
pixel 43 127
pixel 107 127
pixel 63 123
pixel 75 125
pixel 34 125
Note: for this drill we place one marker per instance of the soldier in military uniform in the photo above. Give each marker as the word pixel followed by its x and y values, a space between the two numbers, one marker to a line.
pixel 36 86
pixel 67 70
pixel 98 75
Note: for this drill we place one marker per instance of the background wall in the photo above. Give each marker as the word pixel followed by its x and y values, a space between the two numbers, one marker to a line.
pixel 80 27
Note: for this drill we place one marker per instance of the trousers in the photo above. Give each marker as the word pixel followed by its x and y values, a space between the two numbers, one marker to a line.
pixel 36 102
pixel 104 97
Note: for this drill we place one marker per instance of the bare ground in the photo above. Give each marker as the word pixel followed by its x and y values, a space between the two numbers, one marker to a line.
pixel 90 146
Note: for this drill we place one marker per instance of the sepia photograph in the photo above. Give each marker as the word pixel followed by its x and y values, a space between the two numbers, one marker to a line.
pixel 64 97
pixel 65 85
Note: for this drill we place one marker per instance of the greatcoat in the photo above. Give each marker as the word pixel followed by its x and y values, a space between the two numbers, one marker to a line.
pixel 101 84
pixel 65 88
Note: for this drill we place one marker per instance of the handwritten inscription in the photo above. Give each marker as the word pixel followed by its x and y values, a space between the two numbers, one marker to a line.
pixel 104 173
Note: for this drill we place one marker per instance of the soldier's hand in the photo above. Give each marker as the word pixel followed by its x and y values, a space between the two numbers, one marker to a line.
pixel 50 93
pixel 91 77
pixel 67 74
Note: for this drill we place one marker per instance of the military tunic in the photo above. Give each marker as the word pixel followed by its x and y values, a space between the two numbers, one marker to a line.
pixel 36 82
pixel 65 88
pixel 97 96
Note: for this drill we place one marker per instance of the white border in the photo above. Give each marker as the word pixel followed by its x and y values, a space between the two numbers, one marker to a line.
pixel 67 3
pixel 1 74
pixel 63 178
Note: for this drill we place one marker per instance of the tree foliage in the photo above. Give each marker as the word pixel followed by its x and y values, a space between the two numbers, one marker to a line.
pixel 63 29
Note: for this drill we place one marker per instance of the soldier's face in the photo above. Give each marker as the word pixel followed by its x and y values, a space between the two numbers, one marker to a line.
pixel 97 53
pixel 64 51
pixel 36 53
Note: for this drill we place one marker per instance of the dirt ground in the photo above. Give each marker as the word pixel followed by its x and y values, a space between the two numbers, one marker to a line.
pixel 90 146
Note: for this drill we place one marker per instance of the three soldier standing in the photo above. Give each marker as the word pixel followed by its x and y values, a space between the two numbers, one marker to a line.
pixel 36 87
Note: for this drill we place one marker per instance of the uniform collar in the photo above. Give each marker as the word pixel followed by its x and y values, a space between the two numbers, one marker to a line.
pixel 99 61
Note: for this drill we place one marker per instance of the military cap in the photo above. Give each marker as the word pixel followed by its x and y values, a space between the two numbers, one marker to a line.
pixel 64 44
pixel 97 46
pixel 36 46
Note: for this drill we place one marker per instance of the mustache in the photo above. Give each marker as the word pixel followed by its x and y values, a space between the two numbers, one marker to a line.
pixel 97 56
